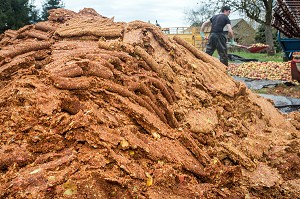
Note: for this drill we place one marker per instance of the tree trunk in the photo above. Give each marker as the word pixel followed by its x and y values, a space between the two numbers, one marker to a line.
pixel 268 30
pixel 269 39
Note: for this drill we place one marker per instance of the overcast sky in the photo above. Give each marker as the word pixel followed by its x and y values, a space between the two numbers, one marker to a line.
pixel 168 13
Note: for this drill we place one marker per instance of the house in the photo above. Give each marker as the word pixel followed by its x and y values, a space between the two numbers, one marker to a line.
pixel 244 33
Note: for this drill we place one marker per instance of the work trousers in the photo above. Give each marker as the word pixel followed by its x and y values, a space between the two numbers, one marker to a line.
pixel 218 41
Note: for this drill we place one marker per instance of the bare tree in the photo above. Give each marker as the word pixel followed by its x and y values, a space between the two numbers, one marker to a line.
pixel 260 11
pixel 200 14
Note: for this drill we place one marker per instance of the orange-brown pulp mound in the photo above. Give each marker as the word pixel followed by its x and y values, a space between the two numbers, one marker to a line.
pixel 92 108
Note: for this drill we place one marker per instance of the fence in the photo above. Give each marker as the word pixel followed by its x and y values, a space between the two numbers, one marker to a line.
pixel 189 34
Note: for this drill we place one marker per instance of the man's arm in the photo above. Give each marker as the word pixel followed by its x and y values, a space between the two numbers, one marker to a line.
pixel 202 28
pixel 230 31
pixel 204 25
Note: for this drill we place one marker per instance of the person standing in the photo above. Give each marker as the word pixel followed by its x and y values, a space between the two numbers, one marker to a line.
pixel 217 38
pixel 157 24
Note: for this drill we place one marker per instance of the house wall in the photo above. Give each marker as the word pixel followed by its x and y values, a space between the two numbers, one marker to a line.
pixel 243 33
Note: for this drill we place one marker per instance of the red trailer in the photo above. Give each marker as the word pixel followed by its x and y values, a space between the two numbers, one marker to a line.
pixel 295 69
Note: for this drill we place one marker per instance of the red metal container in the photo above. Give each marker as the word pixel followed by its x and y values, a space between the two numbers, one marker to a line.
pixel 257 49
pixel 295 69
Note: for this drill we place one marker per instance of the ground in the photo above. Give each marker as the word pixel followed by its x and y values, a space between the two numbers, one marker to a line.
pixel 285 89
pixel 269 70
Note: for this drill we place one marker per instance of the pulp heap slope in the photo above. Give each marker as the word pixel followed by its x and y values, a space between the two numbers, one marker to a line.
pixel 92 108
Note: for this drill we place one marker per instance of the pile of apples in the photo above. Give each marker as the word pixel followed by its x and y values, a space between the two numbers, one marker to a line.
pixel 258 45
pixel 262 70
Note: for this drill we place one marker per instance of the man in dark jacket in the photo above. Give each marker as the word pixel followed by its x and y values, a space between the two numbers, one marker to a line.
pixel 217 38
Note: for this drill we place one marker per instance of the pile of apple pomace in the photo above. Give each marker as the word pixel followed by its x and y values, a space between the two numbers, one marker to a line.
pixel 262 70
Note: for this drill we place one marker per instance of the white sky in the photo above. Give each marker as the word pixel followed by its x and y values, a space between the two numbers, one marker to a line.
pixel 168 13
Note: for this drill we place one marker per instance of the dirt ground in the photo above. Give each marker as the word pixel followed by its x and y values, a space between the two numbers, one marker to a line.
pixel 92 108
pixel 289 90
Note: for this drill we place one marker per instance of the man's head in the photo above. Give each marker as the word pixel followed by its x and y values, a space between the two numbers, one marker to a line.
pixel 226 10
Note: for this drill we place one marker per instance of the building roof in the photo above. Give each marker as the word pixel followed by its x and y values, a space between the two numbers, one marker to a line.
pixel 234 22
